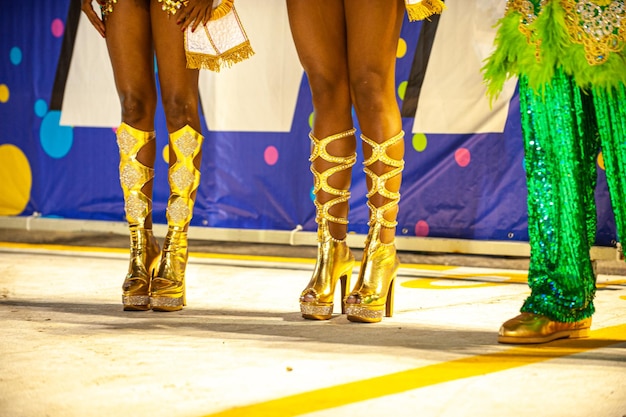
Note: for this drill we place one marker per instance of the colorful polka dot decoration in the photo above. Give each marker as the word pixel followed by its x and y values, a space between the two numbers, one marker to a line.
pixel 57 28
pixel 56 141
pixel 271 155
pixel 462 157
pixel 14 194
pixel 15 56
pixel 4 93
pixel 601 161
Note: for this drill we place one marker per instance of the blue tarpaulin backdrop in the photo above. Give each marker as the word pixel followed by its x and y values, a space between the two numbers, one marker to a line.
pixel 469 185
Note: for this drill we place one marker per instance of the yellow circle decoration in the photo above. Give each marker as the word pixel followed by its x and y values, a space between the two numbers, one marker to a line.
pixel 166 154
pixel 401 51
pixel 4 93
pixel 17 180
pixel 601 161
pixel 311 118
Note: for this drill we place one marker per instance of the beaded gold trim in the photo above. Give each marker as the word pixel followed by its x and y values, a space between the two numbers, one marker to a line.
pixel 597 25
pixel 172 6
pixel 106 7
pixel 169 6
pixel 529 14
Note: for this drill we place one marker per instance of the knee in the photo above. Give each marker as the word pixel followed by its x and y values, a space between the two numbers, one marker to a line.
pixel 368 89
pixel 328 89
pixel 180 111
pixel 136 108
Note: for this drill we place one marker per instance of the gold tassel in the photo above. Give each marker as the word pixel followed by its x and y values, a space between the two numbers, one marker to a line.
pixel 222 10
pixel 424 9
pixel 217 62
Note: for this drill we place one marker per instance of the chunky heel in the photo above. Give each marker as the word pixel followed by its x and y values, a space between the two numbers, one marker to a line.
pixel 334 260
pixel 144 249
pixel 168 291
pixel 373 293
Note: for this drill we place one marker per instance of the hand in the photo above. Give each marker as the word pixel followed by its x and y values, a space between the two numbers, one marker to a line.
pixel 194 13
pixel 93 16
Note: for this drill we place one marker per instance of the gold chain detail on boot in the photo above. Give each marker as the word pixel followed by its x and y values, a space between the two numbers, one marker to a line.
pixel 334 259
pixel 168 286
pixel 144 250
pixel 374 288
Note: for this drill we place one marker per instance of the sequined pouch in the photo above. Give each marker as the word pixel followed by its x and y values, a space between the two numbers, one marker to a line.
pixel 220 43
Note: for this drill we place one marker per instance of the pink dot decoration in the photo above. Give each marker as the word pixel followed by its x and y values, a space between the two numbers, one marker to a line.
pixel 462 157
pixel 57 28
pixel 422 229
pixel 271 155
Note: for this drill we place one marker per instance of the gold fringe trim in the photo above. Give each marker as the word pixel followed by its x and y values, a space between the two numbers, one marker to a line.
pixel 241 52
pixel 424 9
pixel 222 10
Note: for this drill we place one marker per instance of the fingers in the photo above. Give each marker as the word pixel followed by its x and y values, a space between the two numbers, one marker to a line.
pixel 93 17
pixel 194 15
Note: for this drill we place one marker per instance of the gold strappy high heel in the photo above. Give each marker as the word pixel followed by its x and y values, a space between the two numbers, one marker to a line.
pixel 168 285
pixel 373 291
pixel 334 259
pixel 144 249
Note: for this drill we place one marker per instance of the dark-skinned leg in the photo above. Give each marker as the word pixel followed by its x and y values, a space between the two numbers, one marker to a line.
pixel 319 33
pixel 179 91
pixel 129 41
pixel 373 28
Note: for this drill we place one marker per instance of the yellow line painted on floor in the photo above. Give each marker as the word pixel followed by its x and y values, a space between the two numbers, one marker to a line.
pixel 396 383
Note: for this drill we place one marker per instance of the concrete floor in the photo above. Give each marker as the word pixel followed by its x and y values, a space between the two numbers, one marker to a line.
pixel 241 348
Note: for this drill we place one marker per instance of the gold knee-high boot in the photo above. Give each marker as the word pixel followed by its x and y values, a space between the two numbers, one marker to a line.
pixel 144 249
pixel 334 259
pixel 373 291
pixel 168 285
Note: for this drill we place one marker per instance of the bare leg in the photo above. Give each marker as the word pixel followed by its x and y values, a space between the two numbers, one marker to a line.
pixel 319 32
pixel 179 85
pixel 373 28
pixel 179 91
pixel 373 31
pixel 129 41
pixel 130 50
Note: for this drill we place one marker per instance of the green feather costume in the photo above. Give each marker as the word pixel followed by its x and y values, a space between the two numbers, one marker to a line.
pixel 570 58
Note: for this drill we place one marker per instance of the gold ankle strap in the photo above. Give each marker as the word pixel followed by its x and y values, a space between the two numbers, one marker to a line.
pixel 321 179
pixel 379 153
pixel 184 177
pixel 133 174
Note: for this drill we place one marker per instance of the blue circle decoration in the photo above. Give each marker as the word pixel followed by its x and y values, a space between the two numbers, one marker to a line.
pixel 312 194
pixel 41 108
pixel 56 140
pixel 16 55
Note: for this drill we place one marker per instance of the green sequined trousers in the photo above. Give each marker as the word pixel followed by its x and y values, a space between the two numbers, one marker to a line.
pixel 562 135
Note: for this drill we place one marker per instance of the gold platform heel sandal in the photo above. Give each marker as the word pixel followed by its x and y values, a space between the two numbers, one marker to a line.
pixel 373 292
pixel 530 328
pixel 168 285
pixel 144 249
pixel 334 259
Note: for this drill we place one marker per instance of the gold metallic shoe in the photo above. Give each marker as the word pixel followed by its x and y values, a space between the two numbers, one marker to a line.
pixel 144 249
pixel 334 258
pixel 373 292
pixel 530 328
pixel 168 285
